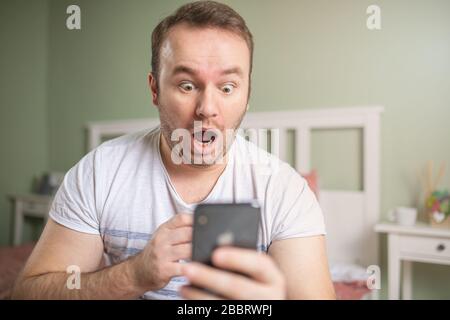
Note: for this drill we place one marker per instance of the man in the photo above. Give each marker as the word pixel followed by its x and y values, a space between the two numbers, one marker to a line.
pixel 130 201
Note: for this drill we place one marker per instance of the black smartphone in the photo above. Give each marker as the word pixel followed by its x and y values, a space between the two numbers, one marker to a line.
pixel 230 224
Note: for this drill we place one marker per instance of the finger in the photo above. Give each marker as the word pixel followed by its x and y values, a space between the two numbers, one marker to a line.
pixel 189 292
pixel 181 252
pixel 226 284
pixel 257 265
pixel 180 220
pixel 180 235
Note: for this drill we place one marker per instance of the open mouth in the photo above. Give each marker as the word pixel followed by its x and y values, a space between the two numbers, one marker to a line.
pixel 205 137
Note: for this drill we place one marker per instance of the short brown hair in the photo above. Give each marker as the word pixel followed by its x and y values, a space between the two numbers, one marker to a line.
pixel 200 14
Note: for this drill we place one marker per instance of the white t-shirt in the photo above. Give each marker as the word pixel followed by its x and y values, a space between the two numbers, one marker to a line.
pixel 122 191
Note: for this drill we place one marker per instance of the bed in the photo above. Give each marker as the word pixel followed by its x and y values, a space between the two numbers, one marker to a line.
pixel 351 250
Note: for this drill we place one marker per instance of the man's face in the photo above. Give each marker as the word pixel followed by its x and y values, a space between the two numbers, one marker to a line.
pixel 204 76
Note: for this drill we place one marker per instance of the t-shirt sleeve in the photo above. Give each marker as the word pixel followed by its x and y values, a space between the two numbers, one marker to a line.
pixel 74 205
pixel 296 210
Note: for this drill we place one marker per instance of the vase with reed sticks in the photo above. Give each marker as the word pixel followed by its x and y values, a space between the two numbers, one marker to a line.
pixel 437 202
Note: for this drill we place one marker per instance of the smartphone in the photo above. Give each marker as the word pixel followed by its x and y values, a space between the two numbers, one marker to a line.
pixel 229 224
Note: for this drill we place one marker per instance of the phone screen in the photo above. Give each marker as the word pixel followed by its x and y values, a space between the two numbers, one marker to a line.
pixel 231 224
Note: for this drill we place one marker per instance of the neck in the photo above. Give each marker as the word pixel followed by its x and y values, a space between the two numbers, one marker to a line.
pixel 187 170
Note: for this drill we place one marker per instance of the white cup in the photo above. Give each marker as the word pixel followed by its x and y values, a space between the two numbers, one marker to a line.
pixel 403 216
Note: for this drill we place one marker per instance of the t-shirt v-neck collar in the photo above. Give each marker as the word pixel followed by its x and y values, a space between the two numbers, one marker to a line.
pixel 178 198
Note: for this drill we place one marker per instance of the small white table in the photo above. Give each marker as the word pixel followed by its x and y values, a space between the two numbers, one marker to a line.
pixel 33 205
pixel 419 243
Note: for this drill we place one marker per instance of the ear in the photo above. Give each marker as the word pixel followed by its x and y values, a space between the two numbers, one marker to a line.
pixel 153 88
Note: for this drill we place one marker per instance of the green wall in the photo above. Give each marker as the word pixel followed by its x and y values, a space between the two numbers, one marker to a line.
pixel 24 132
pixel 308 54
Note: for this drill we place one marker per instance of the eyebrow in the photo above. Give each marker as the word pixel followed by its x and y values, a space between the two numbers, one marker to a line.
pixel 190 71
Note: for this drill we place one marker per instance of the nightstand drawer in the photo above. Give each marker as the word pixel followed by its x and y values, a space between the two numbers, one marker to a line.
pixel 35 208
pixel 425 245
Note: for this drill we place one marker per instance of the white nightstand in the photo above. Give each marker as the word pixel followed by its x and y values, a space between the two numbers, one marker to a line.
pixel 419 243
pixel 28 205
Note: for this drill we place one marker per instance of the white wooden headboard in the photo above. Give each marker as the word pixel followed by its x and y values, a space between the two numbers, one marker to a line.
pixel 350 215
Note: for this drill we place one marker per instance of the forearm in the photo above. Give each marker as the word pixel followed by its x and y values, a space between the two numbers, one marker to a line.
pixel 115 282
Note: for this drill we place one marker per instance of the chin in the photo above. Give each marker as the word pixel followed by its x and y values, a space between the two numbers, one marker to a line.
pixel 207 160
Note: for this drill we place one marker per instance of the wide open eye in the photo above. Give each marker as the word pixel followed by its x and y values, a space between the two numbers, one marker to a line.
pixel 187 86
pixel 228 88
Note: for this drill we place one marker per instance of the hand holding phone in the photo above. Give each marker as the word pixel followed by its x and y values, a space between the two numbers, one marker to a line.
pixel 235 225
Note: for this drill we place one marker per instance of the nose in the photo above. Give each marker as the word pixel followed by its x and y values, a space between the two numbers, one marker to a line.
pixel 207 105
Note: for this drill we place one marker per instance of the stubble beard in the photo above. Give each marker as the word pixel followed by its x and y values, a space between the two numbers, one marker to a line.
pixel 167 129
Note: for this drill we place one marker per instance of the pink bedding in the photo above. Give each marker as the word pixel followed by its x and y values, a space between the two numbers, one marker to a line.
pixel 12 260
